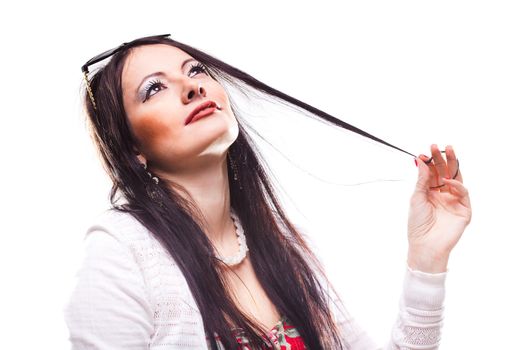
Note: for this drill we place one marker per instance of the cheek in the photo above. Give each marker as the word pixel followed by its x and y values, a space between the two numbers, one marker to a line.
pixel 152 131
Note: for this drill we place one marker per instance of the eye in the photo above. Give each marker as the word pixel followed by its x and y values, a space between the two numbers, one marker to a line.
pixel 199 68
pixel 152 88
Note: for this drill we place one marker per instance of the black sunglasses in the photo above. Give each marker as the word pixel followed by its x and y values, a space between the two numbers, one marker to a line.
pixel 107 54
pixel 111 52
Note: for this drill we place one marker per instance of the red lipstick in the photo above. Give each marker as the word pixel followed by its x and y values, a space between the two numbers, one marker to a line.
pixel 201 111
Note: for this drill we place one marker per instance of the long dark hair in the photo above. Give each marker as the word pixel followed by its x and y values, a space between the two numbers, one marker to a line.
pixel 286 267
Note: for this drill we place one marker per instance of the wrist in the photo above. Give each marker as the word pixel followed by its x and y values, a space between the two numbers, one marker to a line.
pixel 427 261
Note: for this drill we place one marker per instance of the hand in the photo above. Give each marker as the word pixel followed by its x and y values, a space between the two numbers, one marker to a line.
pixel 437 216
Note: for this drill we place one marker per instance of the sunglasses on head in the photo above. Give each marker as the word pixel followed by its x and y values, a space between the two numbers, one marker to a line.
pixel 109 53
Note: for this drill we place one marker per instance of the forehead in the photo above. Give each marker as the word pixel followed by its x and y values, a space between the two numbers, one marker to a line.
pixel 146 59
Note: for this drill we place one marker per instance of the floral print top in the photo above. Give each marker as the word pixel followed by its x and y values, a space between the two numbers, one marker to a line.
pixel 283 336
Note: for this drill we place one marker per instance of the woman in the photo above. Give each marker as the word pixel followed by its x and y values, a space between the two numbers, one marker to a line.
pixel 197 252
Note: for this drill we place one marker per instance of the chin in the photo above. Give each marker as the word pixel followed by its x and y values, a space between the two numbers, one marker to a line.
pixel 223 129
pixel 233 131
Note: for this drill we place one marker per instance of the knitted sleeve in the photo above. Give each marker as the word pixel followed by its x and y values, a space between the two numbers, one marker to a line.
pixel 108 308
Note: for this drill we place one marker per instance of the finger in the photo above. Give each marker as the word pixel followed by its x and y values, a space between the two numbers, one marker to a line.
pixel 453 163
pixel 441 165
pixel 433 181
pixel 459 190
pixel 442 168
pixel 424 176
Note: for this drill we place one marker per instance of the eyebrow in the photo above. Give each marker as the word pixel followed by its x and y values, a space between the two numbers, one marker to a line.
pixel 162 73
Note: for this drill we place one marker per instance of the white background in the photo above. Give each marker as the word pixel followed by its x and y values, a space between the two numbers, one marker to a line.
pixel 410 72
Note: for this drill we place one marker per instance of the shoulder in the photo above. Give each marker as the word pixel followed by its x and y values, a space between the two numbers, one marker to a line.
pixel 117 230
pixel 115 234
pixel 131 234
pixel 121 226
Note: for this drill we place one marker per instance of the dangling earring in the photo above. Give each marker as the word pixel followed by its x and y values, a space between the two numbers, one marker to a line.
pixel 154 178
pixel 234 170
pixel 152 187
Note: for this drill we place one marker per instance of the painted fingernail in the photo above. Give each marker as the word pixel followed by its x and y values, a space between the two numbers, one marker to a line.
pixel 415 161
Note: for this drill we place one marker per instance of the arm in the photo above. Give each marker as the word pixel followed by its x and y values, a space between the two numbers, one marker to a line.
pixel 440 210
pixel 108 308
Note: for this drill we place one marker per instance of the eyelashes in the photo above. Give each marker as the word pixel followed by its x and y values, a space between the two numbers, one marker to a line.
pixel 157 85
pixel 152 86
pixel 199 67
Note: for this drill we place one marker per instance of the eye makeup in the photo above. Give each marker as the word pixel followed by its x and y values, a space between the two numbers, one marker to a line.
pixel 146 92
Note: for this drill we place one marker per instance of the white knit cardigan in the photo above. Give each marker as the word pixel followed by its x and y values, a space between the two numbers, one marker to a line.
pixel 129 294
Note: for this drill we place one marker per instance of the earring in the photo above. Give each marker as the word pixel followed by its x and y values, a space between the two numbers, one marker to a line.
pixel 234 170
pixel 152 188
pixel 154 178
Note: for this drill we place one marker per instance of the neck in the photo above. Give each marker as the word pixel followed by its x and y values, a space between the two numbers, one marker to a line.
pixel 208 188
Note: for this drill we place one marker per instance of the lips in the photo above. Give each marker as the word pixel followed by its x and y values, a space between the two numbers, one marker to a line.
pixel 202 110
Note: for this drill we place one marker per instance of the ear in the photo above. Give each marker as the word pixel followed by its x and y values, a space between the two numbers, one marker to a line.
pixel 140 156
pixel 141 159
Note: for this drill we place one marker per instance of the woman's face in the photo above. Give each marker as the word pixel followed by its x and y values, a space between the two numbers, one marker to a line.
pixel 160 86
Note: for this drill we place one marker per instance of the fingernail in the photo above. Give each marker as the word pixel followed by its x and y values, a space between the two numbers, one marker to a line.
pixel 415 161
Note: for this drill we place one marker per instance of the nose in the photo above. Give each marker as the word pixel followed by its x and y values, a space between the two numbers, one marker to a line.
pixel 192 90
